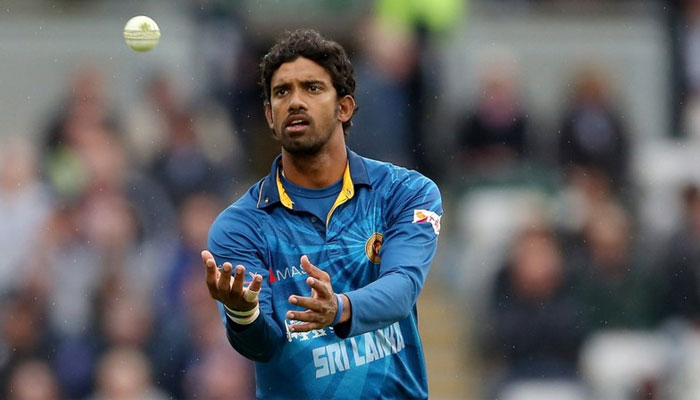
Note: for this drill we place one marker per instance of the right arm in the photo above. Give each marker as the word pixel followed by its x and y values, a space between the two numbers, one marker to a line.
pixel 232 241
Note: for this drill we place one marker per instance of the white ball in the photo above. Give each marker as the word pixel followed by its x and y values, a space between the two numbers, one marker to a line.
pixel 141 33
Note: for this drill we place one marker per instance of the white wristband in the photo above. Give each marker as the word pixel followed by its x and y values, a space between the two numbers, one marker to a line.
pixel 238 314
pixel 247 320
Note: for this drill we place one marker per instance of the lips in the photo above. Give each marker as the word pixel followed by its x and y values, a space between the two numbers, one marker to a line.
pixel 297 122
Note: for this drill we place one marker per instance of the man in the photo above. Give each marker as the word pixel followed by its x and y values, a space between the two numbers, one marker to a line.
pixel 342 243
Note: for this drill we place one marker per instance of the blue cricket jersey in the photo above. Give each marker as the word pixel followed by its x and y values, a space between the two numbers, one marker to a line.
pixel 377 244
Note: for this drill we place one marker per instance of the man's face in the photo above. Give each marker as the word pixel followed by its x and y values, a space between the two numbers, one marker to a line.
pixel 304 109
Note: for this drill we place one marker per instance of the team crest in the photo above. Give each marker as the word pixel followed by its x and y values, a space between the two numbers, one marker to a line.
pixel 372 247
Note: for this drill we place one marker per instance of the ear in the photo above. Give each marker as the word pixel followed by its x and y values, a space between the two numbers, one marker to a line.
pixel 346 107
pixel 268 114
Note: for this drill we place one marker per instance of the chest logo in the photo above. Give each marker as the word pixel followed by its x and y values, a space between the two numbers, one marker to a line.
pixel 285 273
pixel 372 247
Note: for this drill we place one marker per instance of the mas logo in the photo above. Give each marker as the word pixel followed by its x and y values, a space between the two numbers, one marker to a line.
pixel 427 217
pixel 372 247
pixel 281 274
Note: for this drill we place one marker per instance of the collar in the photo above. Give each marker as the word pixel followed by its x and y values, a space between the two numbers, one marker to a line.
pixel 272 191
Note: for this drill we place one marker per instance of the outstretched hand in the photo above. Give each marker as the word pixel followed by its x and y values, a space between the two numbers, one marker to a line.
pixel 321 306
pixel 230 291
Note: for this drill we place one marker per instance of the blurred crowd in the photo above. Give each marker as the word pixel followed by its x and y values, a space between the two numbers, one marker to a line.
pixel 103 219
pixel 101 282
pixel 575 299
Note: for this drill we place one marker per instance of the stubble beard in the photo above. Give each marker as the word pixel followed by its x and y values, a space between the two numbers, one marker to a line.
pixel 305 148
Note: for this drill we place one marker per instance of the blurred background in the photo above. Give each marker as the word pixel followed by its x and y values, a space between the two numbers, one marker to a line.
pixel 564 135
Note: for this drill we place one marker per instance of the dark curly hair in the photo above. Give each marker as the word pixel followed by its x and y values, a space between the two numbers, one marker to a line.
pixel 308 43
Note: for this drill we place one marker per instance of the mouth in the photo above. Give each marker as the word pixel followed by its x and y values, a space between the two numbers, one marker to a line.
pixel 296 123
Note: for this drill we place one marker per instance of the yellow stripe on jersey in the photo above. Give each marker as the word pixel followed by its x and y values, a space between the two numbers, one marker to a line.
pixel 284 197
pixel 345 194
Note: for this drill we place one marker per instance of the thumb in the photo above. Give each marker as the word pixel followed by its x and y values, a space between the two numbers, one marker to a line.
pixel 311 269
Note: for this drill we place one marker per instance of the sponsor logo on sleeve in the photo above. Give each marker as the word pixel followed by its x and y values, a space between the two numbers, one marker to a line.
pixel 427 217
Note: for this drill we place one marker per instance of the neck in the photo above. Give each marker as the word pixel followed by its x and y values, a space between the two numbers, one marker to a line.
pixel 318 170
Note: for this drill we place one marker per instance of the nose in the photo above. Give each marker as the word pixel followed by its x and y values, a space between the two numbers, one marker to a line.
pixel 296 101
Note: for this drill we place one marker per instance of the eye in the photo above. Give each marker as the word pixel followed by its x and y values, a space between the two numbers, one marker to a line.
pixel 281 92
pixel 314 88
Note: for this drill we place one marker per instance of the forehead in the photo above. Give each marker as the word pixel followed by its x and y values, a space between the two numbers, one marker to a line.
pixel 301 69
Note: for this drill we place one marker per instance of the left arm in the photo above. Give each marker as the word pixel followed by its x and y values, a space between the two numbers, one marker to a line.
pixel 409 246
pixel 410 242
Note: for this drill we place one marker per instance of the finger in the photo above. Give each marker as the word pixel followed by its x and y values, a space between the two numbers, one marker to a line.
pixel 223 284
pixel 211 271
pixel 313 270
pixel 305 316
pixel 208 260
pixel 206 255
pixel 309 303
pixel 238 279
pixel 256 285
pixel 305 327
pixel 323 289
pixel 253 290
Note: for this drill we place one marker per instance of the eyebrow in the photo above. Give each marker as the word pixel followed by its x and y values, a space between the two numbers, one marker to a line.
pixel 305 83
pixel 313 82
pixel 280 85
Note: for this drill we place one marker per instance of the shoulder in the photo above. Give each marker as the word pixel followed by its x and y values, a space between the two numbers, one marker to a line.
pixel 395 180
pixel 243 217
pixel 406 195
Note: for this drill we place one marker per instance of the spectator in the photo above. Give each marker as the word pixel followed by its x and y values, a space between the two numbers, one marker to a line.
pixel 592 134
pixel 685 28
pixel 147 118
pixel 84 113
pixel 385 70
pixel 24 335
pixel 124 373
pixel 221 376
pixel 126 320
pixel 681 266
pixel 25 205
pixel 184 168
pixel 109 171
pixel 202 376
pixel 583 191
pixel 176 346
pixel 196 215
pixel 86 105
pixel 615 288
pixel 108 236
pixel 33 380
pixel 493 134
pixel 535 321
pixel 415 27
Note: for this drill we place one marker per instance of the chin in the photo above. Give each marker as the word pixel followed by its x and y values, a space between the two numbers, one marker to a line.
pixel 302 149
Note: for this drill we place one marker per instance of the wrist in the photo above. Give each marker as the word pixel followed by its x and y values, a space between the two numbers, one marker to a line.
pixel 338 310
pixel 346 312
pixel 242 317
